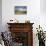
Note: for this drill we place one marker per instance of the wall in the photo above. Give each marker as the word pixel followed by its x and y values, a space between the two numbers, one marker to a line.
pixel 34 14
pixel 0 15
pixel 43 6
pixel 33 10
pixel 43 14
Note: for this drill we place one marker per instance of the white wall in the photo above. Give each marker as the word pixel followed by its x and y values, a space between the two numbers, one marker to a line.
pixel 43 14
pixel 43 6
pixel 34 14
pixel 33 10
pixel 0 15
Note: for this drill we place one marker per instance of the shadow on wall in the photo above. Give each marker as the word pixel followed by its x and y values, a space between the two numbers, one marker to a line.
pixel 0 14
pixel 43 6
pixel 0 23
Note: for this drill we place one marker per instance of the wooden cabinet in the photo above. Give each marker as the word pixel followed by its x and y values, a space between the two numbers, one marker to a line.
pixel 22 33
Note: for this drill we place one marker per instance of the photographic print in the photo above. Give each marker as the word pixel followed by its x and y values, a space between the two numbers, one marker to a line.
pixel 19 10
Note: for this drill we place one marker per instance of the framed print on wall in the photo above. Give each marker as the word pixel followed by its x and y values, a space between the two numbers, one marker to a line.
pixel 20 10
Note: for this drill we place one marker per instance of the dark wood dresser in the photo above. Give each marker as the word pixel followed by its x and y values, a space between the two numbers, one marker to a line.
pixel 22 33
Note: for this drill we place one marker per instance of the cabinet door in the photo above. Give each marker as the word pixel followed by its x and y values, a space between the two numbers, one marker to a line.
pixel 24 38
pixel 20 38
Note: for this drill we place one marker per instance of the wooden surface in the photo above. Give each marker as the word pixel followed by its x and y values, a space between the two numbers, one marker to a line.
pixel 23 27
